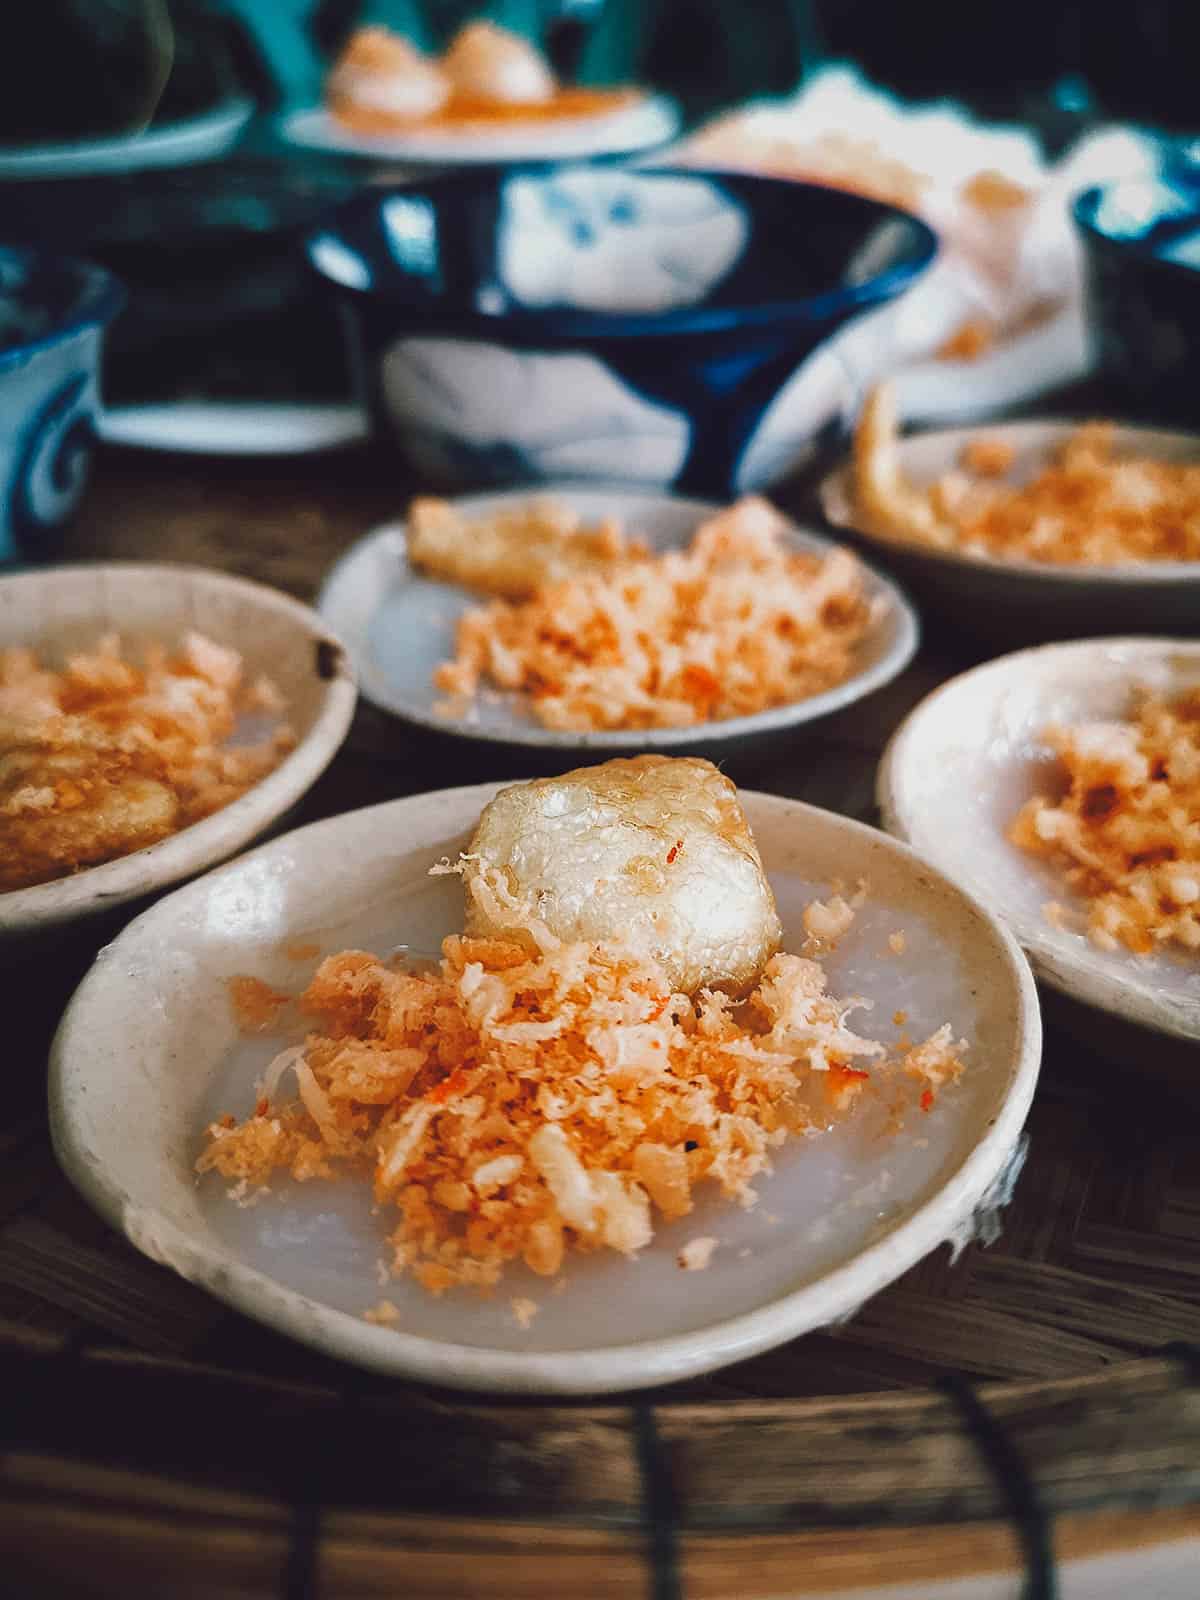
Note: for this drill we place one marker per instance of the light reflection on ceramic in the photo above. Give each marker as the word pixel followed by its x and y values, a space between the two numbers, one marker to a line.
pixel 504 417
pixel 332 259
pixel 412 233
pixel 1186 251
pixel 605 240
pixel 657 328
pixel 53 313
pixel 814 404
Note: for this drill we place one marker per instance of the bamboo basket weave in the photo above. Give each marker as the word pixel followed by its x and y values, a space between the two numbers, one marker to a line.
pixel 1032 1404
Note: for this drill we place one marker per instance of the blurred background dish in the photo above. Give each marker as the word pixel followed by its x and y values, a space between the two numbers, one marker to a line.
pixel 643 124
pixel 99 86
pixel 492 95
pixel 234 428
pixel 1141 240
pixel 220 304
pixel 173 144
pixel 654 327
pixel 54 312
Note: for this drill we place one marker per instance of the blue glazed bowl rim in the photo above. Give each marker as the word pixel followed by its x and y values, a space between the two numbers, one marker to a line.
pixel 1087 199
pixel 586 325
pixel 101 296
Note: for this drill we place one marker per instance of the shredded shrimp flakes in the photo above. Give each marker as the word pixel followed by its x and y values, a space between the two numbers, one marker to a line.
pixel 512 1107
pixel 732 625
pixel 109 755
pixel 1088 504
pixel 1126 833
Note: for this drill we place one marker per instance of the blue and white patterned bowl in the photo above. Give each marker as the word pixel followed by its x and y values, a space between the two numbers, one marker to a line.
pixel 662 328
pixel 1141 239
pixel 53 313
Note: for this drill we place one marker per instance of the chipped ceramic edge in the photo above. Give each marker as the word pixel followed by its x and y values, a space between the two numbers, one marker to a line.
pixel 836 496
pixel 391 537
pixel 984 1225
pixel 1071 971
pixel 216 837
pixel 614 1368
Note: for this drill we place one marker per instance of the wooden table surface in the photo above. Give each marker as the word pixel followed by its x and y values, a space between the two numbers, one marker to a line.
pixel 1100 1254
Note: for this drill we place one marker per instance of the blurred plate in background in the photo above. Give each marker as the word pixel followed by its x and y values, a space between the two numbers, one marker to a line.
pixel 199 138
pixel 630 130
pixel 234 428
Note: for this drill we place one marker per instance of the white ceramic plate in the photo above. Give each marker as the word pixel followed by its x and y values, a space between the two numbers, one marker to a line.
pixel 639 126
pixel 68 608
pixel 398 626
pixel 148 1053
pixel 961 765
pixel 176 144
pixel 233 428
pixel 1024 602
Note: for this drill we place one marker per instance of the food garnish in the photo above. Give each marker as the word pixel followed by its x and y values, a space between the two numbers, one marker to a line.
pixel 487 77
pixel 734 624
pixel 1126 831
pixel 1089 504
pixel 512 553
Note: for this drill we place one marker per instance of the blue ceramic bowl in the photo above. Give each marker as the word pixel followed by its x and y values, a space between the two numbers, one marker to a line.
pixel 668 328
pixel 1141 239
pixel 53 313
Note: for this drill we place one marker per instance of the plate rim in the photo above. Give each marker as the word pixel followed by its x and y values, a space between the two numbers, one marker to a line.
pixel 347 423
pixel 1065 970
pixel 605 1369
pixel 151 148
pixel 794 715
pixel 660 113
pixel 837 505
pixel 205 843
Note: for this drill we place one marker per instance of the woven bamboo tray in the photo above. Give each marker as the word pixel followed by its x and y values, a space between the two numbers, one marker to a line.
pixel 1033 1404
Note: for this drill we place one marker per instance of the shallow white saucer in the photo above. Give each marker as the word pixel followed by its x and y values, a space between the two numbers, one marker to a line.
pixel 398 626
pixel 234 427
pixel 1028 602
pixel 148 1053
pixel 70 607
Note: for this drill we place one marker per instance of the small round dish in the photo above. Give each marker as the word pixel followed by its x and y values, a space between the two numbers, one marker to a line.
pixel 148 1053
pixel 70 607
pixel 398 625
pixel 632 129
pixel 1025 602
pixel 963 763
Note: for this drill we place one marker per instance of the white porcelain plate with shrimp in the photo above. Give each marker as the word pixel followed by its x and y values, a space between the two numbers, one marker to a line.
pixel 67 608
pixel 398 625
pixel 149 1053
pixel 963 763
